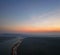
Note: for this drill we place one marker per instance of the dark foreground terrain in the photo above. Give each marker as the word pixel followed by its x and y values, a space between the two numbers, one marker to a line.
pixel 39 46
pixel 34 45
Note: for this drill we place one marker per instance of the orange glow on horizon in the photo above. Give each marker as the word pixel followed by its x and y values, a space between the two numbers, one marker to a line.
pixel 40 30
pixel 33 29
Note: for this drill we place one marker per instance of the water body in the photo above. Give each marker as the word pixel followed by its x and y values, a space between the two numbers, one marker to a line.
pixel 6 45
pixel 39 46
pixel 34 45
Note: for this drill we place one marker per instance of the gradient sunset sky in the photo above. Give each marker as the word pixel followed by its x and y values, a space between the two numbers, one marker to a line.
pixel 29 15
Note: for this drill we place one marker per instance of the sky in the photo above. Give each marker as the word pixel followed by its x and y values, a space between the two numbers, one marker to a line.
pixel 29 16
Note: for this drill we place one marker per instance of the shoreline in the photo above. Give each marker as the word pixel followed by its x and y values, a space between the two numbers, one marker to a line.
pixel 14 48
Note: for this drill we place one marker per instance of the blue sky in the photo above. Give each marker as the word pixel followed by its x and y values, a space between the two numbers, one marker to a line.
pixel 16 14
